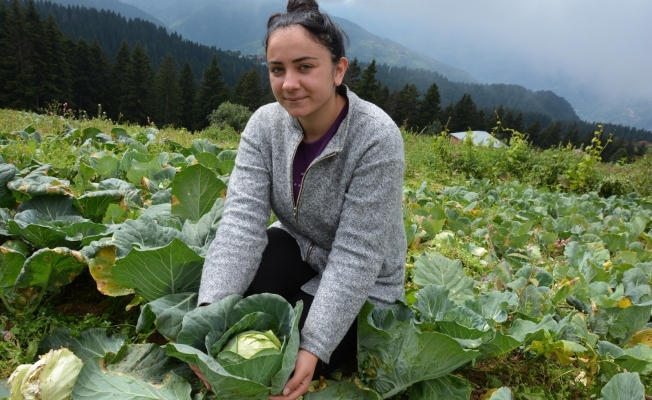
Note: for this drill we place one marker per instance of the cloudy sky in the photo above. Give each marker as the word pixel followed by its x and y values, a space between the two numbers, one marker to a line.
pixel 604 46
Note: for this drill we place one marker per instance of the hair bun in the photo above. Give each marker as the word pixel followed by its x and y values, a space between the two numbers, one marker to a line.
pixel 302 6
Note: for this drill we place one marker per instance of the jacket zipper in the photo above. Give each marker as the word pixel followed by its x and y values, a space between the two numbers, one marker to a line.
pixel 309 251
pixel 296 203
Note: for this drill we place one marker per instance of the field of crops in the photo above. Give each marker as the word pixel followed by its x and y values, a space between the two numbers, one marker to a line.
pixel 500 275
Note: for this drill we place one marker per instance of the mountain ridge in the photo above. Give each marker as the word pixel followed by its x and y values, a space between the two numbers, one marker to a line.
pixel 219 24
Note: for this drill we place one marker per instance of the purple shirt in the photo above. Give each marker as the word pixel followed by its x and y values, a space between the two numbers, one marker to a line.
pixel 307 152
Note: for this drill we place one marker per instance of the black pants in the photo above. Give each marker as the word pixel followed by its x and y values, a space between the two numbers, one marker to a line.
pixel 283 272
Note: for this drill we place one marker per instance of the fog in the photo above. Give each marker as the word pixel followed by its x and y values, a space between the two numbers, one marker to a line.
pixel 574 47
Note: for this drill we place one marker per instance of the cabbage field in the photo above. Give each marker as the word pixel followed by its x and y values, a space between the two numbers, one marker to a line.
pixel 500 276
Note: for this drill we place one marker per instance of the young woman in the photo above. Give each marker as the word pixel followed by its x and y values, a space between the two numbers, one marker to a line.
pixel 330 166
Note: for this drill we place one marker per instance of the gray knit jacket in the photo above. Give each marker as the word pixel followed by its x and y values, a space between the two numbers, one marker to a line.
pixel 348 219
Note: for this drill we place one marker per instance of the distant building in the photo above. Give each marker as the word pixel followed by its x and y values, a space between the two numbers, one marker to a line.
pixel 480 138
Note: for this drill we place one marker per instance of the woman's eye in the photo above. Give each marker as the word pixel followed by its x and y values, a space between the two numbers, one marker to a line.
pixel 305 67
pixel 275 70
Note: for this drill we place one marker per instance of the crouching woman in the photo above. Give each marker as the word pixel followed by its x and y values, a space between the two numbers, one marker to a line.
pixel 330 166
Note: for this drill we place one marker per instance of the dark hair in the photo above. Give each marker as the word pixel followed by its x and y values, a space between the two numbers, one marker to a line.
pixel 306 13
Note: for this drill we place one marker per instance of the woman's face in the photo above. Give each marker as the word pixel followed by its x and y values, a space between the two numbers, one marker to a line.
pixel 302 74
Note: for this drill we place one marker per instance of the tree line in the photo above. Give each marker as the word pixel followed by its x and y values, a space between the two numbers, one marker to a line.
pixel 424 114
pixel 40 66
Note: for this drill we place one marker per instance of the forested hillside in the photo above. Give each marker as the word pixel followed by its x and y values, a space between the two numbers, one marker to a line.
pixel 82 58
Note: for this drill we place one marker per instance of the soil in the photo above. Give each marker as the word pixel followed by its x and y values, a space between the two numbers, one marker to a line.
pixel 81 297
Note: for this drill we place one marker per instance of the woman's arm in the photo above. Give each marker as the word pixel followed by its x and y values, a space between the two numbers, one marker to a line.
pixel 236 251
pixel 372 205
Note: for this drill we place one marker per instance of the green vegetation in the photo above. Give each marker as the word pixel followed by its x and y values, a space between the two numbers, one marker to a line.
pixel 529 269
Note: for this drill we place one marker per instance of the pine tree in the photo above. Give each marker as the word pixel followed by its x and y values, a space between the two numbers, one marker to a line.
pixel 168 93
pixel 352 75
pixel 34 88
pixel 407 107
pixel 56 77
pixel 137 96
pixel 188 93
pixel 7 68
pixel 430 109
pixel 249 90
pixel 368 88
pixel 100 75
pixel 118 81
pixel 17 69
pixel 465 115
pixel 82 85
pixel 533 132
pixel 573 136
pixel 550 137
pixel 212 92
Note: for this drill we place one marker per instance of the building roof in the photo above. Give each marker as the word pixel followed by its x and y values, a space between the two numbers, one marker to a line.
pixel 480 138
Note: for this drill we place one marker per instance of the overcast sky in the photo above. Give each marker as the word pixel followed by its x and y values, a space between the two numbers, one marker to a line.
pixel 600 44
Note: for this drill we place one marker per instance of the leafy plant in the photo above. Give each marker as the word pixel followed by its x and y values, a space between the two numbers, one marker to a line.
pixel 206 335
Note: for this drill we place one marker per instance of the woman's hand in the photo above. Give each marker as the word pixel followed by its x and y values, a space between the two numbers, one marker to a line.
pixel 304 369
pixel 200 375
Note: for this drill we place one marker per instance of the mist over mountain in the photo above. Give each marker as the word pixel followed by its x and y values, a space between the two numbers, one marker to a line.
pixel 594 53
pixel 240 25
pixel 126 10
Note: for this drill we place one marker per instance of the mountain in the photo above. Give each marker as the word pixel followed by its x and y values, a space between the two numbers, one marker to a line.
pixel 240 25
pixel 126 10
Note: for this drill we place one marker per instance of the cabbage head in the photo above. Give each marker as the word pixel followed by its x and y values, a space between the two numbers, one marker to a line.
pixel 246 347
pixel 52 377
pixel 250 344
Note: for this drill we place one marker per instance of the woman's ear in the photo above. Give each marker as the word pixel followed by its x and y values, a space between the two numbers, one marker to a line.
pixel 340 70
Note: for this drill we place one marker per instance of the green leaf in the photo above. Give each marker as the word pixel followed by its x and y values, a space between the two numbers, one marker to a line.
pixel 620 324
pixel 637 286
pixel 154 273
pixel 7 174
pixel 49 269
pixel 208 160
pixel 343 390
pixel 202 320
pixel 107 166
pixel 494 305
pixel 433 303
pixel 203 146
pixel 12 257
pixel 200 235
pixel 93 205
pixel 91 343
pixel 90 133
pixel 167 313
pixel 435 269
pixel 224 385
pixel 38 183
pixel 449 387
pixel 101 267
pixel 227 161
pixel 625 386
pixel 194 192
pixel 530 302
pixel 143 233
pixel 394 355
pixel 136 373
pixel 84 175
pixel 50 207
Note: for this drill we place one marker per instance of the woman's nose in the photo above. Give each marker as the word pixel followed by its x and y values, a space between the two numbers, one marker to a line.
pixel 291 81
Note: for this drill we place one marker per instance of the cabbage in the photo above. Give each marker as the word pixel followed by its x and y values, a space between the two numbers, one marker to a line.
pixel 251 344
pixel 246 348
pixel 52 377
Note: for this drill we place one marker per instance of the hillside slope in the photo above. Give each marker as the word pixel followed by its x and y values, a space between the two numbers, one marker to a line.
pixel 241 25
